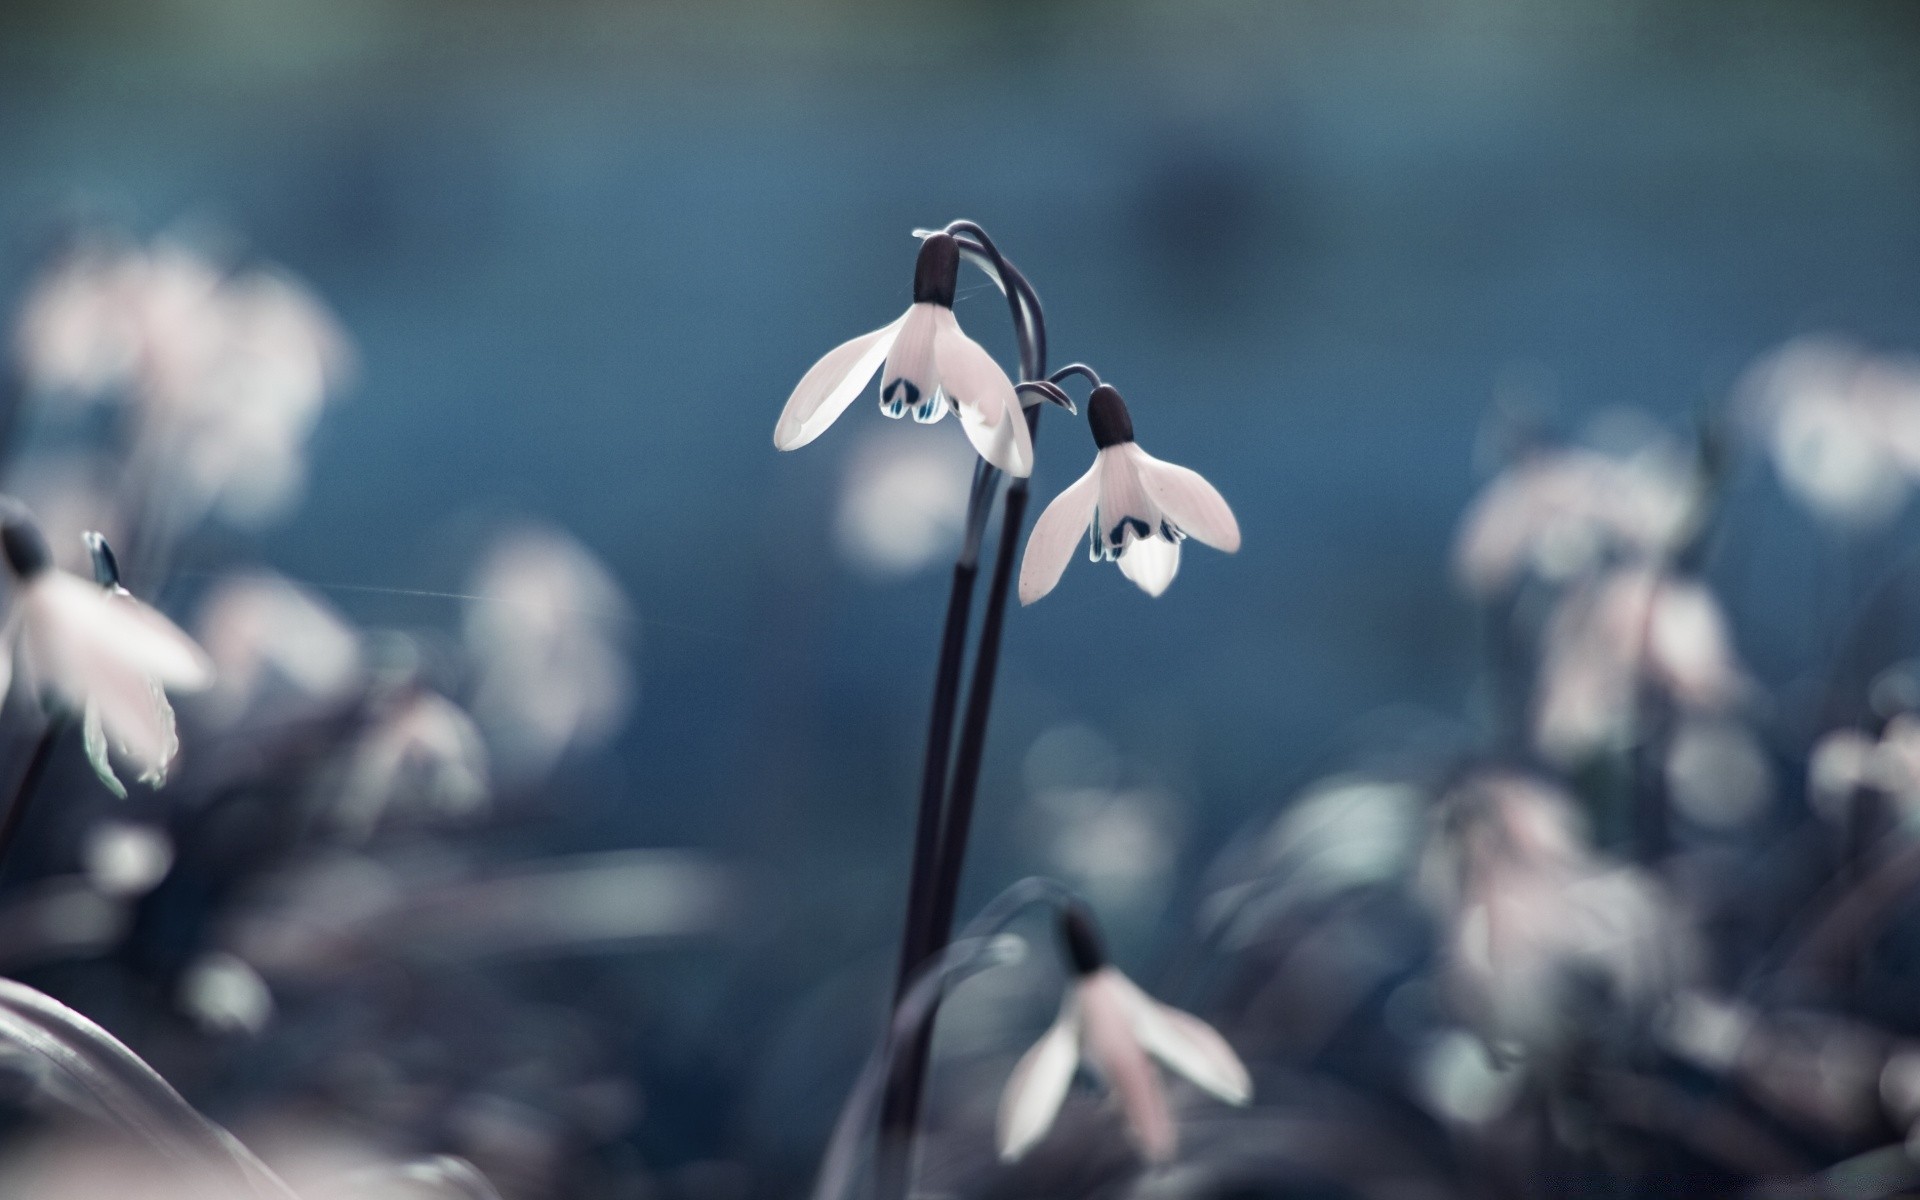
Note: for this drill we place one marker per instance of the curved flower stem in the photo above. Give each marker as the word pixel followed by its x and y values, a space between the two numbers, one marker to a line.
pixel 930 912
pixel 975 950
pixel 29 782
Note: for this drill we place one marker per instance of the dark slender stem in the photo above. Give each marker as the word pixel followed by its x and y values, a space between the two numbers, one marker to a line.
pixel 29 783
pixel 900 1112
pixel 973 726
pixel 933 776
pixel 914 942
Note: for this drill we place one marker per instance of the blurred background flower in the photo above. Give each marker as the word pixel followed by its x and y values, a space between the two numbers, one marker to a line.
pixel 551 804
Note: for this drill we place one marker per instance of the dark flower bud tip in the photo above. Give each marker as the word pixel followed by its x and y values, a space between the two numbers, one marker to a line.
pixel 1107 416
pixel 1082 940
pixel 937 272
pixel 25 547
pixel 106 568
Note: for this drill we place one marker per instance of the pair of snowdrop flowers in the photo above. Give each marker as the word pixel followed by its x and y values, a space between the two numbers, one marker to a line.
pixel 1108 1022
pixel 1136 509
pixel 92 648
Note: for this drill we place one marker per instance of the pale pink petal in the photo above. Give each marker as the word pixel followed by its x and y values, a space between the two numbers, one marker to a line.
pixel 1113 1050
pixel 1056 533
pixel 1187 500
pixel 1690 645
pixel 1151 562
pixel 910 380
pixel 1038 1086
pixel 984 397
pixel 1188 1045
pixel 825 390
pixel 85 623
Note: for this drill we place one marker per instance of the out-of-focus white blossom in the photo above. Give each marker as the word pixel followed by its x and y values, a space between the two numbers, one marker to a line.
pixel 1109 1021
pixel 1557 514
pixel 1461 1081
pixel 1842 424
pixel 1629 629
pixel 123 859
pixel 78 334
pixel 903 503
pixel 226 995
pixel 1847 759
pixel 549 630
pixel 1717 773
pixel 423 750
pixel 225 374
pixel 1534 919
pixel 266 637
pixel 99 651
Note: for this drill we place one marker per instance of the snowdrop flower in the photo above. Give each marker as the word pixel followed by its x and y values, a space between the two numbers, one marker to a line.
pixel 1136 509
pixel 424 747
pixel 929 366
pixel 1632 627
pixel 1556 515
pixel 1846 760
pixel 1115 1026
pixel 274 645
pixel 78 332
pixel 94 648
pixel 549 631
pixel 1532 916
pixel 1843 426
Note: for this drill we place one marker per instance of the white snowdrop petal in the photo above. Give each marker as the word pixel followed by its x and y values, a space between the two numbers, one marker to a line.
pixel 94 738
pixel 1190 1046
pixel 1123 500
pixel 1055 534
pixel 984 397
pixel 826 390
pixel 1038 1086
pixel 80 620
pixel 1150 562
pixel 8 650
pixel 1113 1050
pixel 910 379
pixel 136 718
pixel 1190 502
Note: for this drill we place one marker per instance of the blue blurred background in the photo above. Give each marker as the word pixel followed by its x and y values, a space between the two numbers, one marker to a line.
pixel 586 249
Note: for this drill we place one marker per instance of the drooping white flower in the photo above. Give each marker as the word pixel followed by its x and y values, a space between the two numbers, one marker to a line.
pixel 99 651
pixel 424 748
pixel 549 630
pixel 1108 1022
pixel 1557 513
pixel 225 372
pixel 1533 915
pixel 1631 628
pixel 1847 759
pixel 929 366
pixel 78 332
pixel 273 644
pixel 1136 509
pixel 1843 426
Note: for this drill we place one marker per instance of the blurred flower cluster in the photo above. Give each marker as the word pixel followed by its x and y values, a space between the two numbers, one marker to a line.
pixel 1641 921
pixel 299 911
